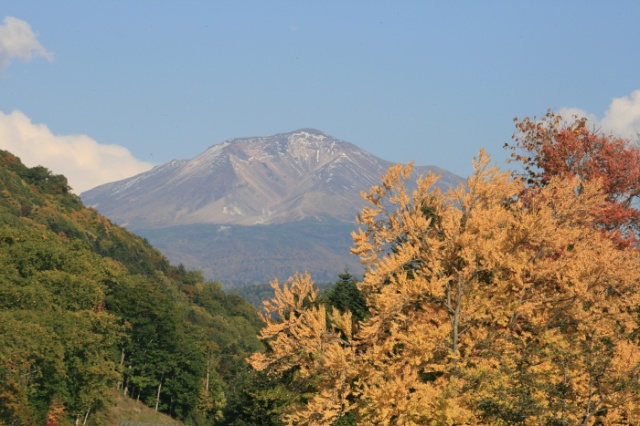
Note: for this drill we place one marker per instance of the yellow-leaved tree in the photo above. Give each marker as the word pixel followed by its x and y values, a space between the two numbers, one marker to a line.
pixel 486 308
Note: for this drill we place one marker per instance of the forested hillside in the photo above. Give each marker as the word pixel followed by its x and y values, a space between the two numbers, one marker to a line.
pixel 87 308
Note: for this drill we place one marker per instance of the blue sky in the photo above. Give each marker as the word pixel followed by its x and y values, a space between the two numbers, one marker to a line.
pixel 99 90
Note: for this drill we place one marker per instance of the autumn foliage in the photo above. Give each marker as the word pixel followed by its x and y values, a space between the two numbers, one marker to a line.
pixel 486 308
pixel 554 147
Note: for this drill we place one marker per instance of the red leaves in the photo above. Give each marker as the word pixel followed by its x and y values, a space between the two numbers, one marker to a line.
pixel 553 147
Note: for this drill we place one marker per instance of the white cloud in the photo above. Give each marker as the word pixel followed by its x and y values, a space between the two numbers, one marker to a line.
pixel 18 41
pixel 622 118
pixel 85 162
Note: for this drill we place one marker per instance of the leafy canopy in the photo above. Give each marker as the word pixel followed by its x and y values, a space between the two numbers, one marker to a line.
pixel 87 308
pixel 554 147
pixel 486 307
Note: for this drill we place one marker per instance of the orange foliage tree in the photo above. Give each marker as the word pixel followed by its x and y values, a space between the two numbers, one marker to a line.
pixel 485 309
pixel 551 146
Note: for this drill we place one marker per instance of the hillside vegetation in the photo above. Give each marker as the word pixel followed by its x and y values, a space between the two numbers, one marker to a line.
pixel 87 308
pixel 129 412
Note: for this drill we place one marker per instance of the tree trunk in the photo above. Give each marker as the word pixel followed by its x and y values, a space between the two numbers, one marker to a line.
pixel 206 383
pixel 120 384
pixel 126 385
pixel 86 416
pixel 454 308
pixel 159 389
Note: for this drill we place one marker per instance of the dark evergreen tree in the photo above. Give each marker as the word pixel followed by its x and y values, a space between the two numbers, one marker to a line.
pixel 346 296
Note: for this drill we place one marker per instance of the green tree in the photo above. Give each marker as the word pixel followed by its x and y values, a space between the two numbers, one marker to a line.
pixel 345 296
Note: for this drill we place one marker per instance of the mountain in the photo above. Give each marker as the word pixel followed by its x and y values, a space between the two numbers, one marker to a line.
pixel 251 209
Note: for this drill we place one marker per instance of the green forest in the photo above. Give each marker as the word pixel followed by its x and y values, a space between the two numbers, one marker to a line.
pixel 512 299
pixel 88 308
pixel 90 311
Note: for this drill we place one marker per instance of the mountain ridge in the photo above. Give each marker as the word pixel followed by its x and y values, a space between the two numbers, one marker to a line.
pixel 247 181
pixel 292 184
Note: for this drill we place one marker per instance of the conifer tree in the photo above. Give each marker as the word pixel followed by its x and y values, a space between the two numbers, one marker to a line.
pixel 345 296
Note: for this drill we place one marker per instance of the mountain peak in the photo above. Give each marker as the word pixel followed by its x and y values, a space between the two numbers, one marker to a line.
pixel 304 174
pixel 202 212
pixel 310 131
pixel 303 132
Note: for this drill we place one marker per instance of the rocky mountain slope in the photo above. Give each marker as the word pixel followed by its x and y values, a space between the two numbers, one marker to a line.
pixel 278 182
